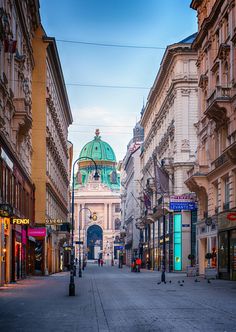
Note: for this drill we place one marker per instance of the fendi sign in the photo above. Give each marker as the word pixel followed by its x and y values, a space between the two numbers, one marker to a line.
pixel 20 221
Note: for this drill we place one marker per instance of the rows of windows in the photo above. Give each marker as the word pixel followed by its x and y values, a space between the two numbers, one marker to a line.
pixel 14 193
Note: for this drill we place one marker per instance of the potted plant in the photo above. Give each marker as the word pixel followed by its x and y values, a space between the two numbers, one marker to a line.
pixel 210 272
pixel 208 256
pixel 191 257
pixel 191 270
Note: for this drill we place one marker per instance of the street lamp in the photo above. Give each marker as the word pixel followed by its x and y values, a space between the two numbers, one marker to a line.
pixel 72 257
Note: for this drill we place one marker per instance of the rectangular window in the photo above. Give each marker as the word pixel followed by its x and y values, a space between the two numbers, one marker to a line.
pixel 117 208
pixel 227 190
pixel 177 242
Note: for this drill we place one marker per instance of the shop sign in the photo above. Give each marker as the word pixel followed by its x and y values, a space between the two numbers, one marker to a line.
pixel 185 202
pixel 55 222
pixel 20 221
pixel 6 222
pixel 182 198
pixel 231 216
pixel 226 220
pixel 183 205
pixel 6 210
pixel 37 232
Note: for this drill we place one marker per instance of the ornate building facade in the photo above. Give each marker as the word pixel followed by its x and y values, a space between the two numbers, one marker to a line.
pixel 18 23
pixel 50 163
pixel 170 143
pixel 98 198
pixel 130 200
pixel 214 176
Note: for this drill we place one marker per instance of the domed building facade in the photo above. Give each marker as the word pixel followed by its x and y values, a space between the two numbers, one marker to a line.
pixel 97 202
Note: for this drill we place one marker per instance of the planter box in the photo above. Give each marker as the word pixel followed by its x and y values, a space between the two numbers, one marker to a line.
pixel 191 271
pixel 210 273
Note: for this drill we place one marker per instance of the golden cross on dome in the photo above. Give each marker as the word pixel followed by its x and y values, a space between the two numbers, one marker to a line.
pixel 97 132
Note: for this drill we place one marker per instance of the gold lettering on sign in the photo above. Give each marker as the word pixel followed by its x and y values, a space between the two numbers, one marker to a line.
pixel 21 221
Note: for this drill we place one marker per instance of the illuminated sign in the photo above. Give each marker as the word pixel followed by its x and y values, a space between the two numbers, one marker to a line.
pixel 186 206
pixel 231 216
pixel 177 242
pixel 39 231
pixel 55 222
pixel 20 221
pixel 6 222
pixel 6 210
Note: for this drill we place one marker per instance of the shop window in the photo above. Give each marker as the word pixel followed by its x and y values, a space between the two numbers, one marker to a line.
pixel 223 252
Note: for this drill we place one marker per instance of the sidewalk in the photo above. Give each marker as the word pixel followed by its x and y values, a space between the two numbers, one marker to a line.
pixel 112 299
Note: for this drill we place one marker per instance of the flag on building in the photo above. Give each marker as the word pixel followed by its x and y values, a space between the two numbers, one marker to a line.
pixel 161 177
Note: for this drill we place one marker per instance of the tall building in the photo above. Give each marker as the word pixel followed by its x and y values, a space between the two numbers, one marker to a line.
pixel 50 161
pixel 97 198
pixel 168 152
pixel 130 201
pixel 18 23
pixel 213 178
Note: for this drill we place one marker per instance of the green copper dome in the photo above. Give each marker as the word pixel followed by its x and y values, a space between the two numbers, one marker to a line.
pixel 104 157
pixel 98 150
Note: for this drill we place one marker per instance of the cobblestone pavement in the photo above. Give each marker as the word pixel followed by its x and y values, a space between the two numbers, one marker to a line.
pixel 112 299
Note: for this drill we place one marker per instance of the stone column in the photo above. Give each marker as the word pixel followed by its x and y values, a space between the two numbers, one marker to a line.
pixel 82 221
pixel 105 217
pixel 110 216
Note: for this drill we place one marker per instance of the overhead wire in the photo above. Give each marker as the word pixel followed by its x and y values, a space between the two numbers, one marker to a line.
pixel 109 44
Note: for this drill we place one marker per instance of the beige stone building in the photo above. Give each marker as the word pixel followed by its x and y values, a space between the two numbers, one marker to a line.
pixel 50 163
pixel 214 176
pixel 170 143
pixel 18 23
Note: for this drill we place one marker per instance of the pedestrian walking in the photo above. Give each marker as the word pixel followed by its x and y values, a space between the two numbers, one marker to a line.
pixel 138 264
pixel 101 262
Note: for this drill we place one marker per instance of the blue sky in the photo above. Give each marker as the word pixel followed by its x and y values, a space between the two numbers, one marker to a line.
pixel 123 22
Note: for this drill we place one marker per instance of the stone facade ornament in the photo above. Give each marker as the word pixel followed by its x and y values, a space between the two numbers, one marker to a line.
pixel 185 145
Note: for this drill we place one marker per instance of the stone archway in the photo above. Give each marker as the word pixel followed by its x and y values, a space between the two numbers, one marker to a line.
pixel 94 241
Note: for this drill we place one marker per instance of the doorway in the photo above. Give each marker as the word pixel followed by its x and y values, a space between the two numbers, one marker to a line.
pixel 94 241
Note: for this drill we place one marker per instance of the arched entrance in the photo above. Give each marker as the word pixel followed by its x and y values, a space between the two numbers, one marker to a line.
pixel 94 241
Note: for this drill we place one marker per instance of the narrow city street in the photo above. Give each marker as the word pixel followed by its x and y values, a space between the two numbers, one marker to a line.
pixel 113 299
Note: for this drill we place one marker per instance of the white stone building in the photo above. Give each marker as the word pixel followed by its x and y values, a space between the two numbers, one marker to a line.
pixel 170 140
pixel 130 203
pixel 99 198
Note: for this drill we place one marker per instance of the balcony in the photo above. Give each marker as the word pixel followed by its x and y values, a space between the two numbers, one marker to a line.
pixel 197 178
pixel 22 116
pixel 231 152
pixel 221 160
pixel 218 104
